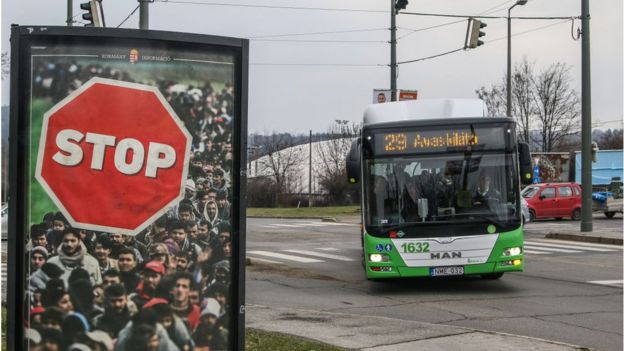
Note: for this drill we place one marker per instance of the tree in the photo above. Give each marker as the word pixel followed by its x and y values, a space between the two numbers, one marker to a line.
pixel 332 153
pixel 558 106
pixel 6 65
pixel 522 108
pixel 545 107
pixel 281 159
pixel 522 98
pixel 611 139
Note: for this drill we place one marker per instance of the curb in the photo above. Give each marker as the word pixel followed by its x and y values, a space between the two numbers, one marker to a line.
pixel 584 238
pixel 323 219
pixel 308 324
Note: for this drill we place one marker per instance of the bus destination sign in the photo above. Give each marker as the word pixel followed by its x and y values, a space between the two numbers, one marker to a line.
pixel 422 141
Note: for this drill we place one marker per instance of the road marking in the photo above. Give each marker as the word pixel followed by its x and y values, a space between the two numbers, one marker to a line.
pixel 575 246
pixel 543 248
pixel 606 246
pixel 263 260
pixel 285 257
pixel 306 224
pixel 536 252
pixel 616 283
pixel 334 223
pixel 320 254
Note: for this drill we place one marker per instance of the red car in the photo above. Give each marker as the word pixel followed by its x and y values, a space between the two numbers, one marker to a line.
pixel 556 200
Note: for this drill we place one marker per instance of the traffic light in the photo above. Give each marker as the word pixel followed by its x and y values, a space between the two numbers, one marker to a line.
pixel 93 14
pixel 400 5
pixel 476 33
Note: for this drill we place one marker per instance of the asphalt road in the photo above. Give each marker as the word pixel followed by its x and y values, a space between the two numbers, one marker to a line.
pixel 570 291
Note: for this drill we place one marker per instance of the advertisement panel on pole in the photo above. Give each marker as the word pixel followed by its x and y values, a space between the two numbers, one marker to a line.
pixel 385 95
pixel 127 156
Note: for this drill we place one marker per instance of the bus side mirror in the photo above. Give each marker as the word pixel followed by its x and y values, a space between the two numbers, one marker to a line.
pixel 526 168
pixel 353 163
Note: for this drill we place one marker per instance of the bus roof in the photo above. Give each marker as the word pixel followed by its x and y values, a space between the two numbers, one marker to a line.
pixel 424 109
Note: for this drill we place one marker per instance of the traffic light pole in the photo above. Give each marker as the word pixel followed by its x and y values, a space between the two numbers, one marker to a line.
pixel 393 64
pixel 586 156
pixel 70 12
pixel 144 14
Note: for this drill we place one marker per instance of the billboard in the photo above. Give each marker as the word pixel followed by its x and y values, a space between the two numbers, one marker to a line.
pixel 385 95
pixel 127 156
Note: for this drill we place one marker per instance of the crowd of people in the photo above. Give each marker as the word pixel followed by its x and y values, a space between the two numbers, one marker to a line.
pixel 165 289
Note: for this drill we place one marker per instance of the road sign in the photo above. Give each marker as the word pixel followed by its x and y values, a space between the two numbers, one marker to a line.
pixel 113 156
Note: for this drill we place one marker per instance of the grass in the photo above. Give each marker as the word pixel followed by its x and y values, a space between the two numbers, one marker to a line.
pixel 4 328
pixel 304 212
pixel 256 340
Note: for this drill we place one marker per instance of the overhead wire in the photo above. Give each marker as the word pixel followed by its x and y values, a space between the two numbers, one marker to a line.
pixel 322 64
pixel 130 15
pixel 489 41
pixel 331 9
pixel 317 33
pixel 485 16
pixel 322 41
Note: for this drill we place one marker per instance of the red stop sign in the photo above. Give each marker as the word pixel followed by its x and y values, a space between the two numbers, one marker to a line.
pixel 113 156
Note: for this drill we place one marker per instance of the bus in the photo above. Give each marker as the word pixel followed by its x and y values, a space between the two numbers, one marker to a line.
pixel 440 185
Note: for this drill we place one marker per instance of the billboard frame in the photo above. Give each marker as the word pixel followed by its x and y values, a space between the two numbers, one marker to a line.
pixel 22 39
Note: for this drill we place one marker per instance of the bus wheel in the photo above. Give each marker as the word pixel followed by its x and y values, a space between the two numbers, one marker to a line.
pixel 492 276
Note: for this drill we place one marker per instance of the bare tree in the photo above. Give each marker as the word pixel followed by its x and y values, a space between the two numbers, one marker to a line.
pixel 611 139
pixel 494 99
pixel 332 154
pixel 280 159
pixel 6 65
pixel 544 103
pixel 557 105
pixel 523 97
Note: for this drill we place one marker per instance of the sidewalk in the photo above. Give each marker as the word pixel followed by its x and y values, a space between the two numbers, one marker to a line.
pixel 602 232
pixel 368 333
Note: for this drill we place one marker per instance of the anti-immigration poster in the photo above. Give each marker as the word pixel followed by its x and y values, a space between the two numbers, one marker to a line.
pixel 125 157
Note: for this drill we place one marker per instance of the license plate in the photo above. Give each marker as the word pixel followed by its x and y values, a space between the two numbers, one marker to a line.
pixel 442 271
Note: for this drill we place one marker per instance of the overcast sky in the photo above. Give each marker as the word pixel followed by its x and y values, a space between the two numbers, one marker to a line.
pixel 311 80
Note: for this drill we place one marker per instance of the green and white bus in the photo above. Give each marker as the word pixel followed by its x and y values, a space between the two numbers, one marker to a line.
pixel 440 190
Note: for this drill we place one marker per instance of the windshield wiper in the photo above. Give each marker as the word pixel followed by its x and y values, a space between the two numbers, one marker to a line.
pixel 494 221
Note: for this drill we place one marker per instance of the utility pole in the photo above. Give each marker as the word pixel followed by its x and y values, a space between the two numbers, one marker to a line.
pixel 586 132
pixel 144 14
pixel 70 13
pixel 393 64
pixel 310 174
pixel 521 3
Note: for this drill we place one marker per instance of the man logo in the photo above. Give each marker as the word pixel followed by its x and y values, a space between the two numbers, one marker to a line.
pixel 134 56
pixel 442 255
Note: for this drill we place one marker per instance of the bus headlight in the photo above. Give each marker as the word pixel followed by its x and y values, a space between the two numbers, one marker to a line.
pixel 512 251
pixel 378 258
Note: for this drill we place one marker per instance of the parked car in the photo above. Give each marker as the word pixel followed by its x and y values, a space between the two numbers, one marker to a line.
pixel 553 200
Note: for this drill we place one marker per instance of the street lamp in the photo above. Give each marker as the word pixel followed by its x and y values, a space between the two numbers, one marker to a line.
pixel 519 2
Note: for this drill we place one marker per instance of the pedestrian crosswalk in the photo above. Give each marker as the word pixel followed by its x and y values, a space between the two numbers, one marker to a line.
pixel 316 255
pixel 613 283
pixel 324 254
pixel 306 224
pixel 549 247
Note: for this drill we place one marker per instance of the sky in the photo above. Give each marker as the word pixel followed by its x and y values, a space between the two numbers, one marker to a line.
pixel 299 83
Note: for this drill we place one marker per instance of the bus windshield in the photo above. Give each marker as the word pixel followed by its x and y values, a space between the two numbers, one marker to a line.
pixel 431 190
